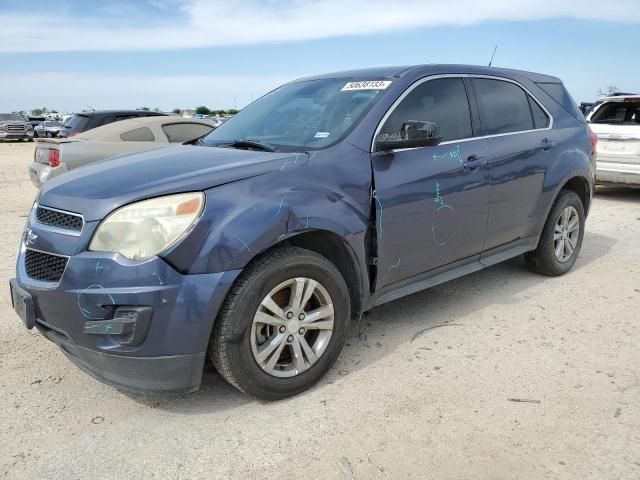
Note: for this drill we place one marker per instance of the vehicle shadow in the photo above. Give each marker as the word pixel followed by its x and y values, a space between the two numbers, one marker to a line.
pixel 387 327
pixel 618 194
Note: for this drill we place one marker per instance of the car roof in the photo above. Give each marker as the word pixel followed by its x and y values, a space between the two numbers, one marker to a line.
pixel 119 112
pixel 434 69
pixel 619 98
pixel 112 131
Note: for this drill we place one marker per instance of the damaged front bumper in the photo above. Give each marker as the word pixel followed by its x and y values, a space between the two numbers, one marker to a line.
pixel 139 326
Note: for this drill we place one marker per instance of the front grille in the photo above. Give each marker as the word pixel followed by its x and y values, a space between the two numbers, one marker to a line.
pixel 58 219
pixel 44 266
pixel 14 128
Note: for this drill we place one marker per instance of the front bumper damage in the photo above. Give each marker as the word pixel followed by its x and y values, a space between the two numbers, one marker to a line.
pixel 140 326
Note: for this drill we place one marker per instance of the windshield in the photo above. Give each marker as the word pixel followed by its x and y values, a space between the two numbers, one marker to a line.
pixel 307 115
pixel 11 117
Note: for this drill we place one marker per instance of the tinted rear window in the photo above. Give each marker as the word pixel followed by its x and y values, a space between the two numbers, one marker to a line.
pixel 77 123
pixel 504 107
pixel 559 93
pixel 619 113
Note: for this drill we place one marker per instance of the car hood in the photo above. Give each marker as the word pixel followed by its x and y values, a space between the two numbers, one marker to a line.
pixel 97 189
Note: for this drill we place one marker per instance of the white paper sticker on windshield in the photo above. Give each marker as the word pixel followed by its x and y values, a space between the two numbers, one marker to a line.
pixel 367 85
pixel 322 135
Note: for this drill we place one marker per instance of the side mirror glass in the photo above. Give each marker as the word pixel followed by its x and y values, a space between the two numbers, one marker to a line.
pixel 412 134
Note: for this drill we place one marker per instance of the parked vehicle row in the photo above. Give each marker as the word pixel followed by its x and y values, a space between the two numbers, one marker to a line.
pixel 57 156
pixel 259 243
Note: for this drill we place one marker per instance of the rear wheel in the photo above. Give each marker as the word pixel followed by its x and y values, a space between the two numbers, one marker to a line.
pixel 282 325
pixel 561 238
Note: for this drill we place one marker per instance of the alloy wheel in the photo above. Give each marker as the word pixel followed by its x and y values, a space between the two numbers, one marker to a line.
pixel 292 327
pixel 566 234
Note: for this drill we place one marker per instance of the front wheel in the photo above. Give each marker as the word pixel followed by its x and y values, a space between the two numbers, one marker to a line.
pixel 561 238
pixel 282 325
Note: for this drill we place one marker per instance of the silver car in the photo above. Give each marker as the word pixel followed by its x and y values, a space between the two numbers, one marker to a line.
pixel 53 157
pixel 47 129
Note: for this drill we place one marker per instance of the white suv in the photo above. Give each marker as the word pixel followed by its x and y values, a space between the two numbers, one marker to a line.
pixel 616 121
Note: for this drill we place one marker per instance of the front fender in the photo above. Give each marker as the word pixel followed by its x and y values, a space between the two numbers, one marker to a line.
pixel 247 217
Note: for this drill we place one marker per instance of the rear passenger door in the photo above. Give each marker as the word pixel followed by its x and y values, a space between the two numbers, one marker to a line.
pixel 521 147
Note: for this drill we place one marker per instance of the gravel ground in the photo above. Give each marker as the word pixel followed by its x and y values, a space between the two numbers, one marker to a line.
pixel 407 399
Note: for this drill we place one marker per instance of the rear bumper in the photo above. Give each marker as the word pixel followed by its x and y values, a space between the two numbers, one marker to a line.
pixel 41 172
pixel 617 173
pixel 175 373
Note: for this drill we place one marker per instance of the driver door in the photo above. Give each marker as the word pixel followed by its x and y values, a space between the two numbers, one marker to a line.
pixel 431 202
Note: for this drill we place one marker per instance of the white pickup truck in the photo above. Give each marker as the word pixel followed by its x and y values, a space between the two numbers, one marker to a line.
pixel 616 121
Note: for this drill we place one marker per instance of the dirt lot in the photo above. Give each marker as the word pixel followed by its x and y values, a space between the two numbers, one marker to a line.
pixel 405 400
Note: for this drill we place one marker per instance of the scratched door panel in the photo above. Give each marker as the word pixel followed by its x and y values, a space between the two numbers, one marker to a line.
pixel 430 209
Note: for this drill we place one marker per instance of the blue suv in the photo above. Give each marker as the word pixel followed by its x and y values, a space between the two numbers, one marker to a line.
pixel 258 244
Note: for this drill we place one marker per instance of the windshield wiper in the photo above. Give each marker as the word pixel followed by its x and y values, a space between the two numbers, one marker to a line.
pixel 247 143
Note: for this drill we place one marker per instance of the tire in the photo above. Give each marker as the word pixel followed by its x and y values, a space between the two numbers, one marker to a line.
pixel 234 348
pixel 544 259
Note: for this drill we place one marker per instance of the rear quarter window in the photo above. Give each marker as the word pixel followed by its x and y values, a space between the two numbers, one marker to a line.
pixel 560 94
pixel 183 132
pixel 143 134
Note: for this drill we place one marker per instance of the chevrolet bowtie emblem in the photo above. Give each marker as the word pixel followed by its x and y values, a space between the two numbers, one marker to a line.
pixel 30 237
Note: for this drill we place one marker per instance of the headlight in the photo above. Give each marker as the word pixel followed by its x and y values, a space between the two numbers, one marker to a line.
pixel 146 228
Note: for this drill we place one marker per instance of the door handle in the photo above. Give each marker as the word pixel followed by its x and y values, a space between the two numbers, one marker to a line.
pixel 473 162
pixel 546 144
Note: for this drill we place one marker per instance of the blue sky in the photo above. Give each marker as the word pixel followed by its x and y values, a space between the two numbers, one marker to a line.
pixel 183 53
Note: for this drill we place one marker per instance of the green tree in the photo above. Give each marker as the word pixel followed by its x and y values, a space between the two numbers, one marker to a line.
pixel 177 111
pixel 202 110
pixel 146 109
pixel 232 111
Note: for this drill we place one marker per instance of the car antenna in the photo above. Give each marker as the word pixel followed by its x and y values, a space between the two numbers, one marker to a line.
pixel 493 54
pixel 93 109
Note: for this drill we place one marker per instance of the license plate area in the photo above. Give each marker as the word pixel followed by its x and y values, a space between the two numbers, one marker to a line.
pixel 22 304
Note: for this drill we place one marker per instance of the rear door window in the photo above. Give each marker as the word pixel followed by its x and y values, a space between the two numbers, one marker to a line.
pixel 618 113
pixel 504 106
pixel 443 101
pixel 540 118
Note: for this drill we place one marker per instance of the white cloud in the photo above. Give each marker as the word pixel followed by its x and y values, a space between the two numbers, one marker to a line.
pixel 206 23
pixel 76 91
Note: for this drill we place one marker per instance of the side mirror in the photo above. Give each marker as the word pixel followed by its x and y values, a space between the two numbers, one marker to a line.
pixel 412 134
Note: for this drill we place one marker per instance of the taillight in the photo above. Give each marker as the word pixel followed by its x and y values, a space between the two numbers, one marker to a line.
pixel 54 157
pixel 594 142
pixel 73 134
